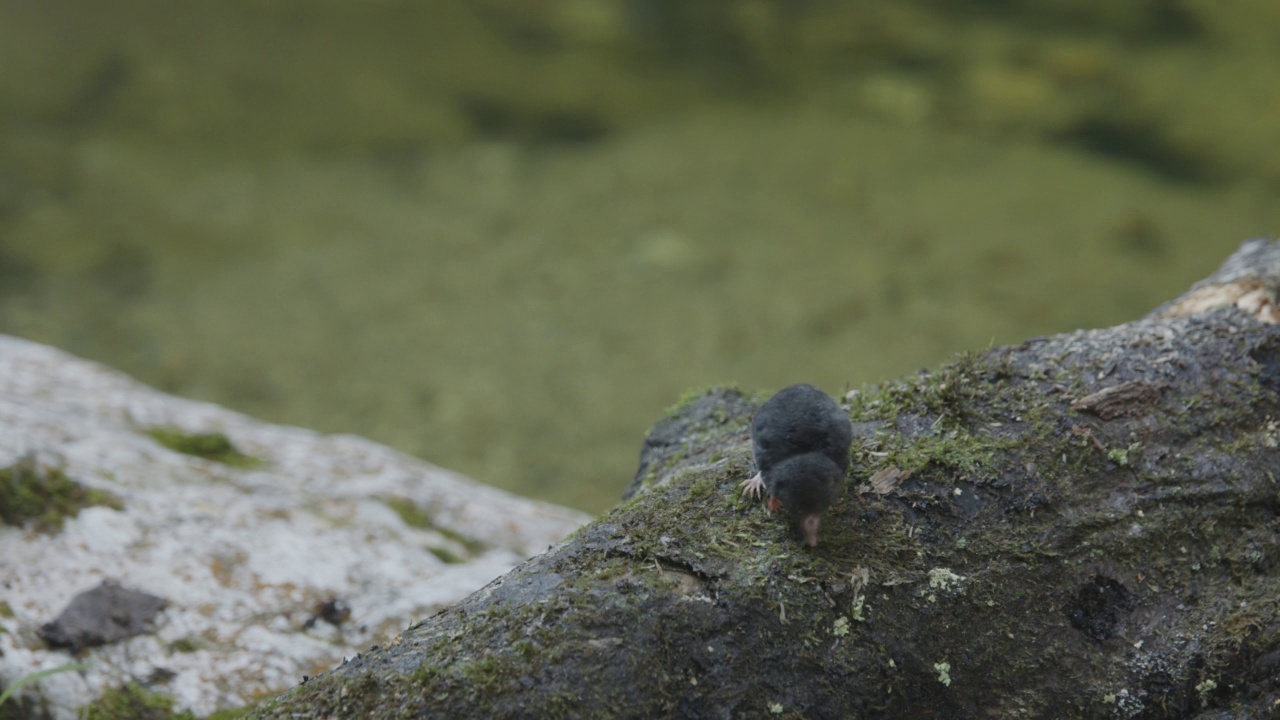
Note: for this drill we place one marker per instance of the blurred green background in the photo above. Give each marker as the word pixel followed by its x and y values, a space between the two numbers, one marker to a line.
pixel 504 235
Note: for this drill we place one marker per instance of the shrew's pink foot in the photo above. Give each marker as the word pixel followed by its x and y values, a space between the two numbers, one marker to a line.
pixel 753 487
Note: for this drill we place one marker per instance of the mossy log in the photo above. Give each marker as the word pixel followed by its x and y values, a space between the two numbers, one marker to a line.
pixel 1079 526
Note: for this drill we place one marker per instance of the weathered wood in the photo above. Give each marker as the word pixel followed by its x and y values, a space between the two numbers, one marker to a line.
pixel 1033 555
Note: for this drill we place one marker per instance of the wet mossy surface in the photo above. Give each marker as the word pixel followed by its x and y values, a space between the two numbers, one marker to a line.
pixel 210 446
pixel 1035 561
pixel 42 496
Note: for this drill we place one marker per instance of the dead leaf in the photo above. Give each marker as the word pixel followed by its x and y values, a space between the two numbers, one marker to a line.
pixel 885 481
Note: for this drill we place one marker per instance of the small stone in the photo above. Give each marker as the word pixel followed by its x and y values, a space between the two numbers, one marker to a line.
pixel 106 614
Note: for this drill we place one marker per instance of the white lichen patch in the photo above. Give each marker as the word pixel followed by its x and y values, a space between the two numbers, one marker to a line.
pixel 841 627
pixel 857 607
pixel 944 579
pixel 944 672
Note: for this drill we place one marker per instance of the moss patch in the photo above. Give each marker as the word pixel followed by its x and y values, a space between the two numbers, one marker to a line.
pixel 133 702
pixel 188 644
pixel 210 446
pixel 417 517
pixel 45 497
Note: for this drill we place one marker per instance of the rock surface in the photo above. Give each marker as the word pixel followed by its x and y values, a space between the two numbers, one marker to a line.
pixel 248 548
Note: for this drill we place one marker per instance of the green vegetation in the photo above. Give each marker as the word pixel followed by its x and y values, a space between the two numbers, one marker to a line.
pixel 44 496
pixel 188 644
pixel 36 676
pixel 409 512
pixel 445 555
pixel 210 446
pixel 133 702
pixel 690 398
pixel 417 517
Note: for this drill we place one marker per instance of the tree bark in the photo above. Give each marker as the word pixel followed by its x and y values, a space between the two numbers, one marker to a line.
pixel 1082 525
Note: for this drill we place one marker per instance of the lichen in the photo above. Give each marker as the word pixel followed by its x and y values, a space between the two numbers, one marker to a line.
pixel 856 608
pixel 944 579
pixel 841 627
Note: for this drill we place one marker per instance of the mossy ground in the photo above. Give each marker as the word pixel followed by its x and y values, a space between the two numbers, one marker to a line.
pixel 458 549
pixel 133 702
pixel 43 496
pixel 210 446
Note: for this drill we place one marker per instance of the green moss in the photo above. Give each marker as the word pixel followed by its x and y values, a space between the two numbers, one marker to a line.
pixel 689 398
pixel 524 648
pixel 133 702
pixel 702 487
pixel 5 610
pixel 416 517
pixel 210 446
pixel 957 450
pixel 945 395
pixel 188 644
pixel 44 496
pixel 482 672
pixel 445 555
pixel 409 512
pixel 1121 456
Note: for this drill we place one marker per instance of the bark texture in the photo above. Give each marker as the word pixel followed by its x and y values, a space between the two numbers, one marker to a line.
pixel 1082 525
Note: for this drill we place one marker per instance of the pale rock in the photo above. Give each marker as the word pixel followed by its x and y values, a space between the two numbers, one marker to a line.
pixel 243 556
